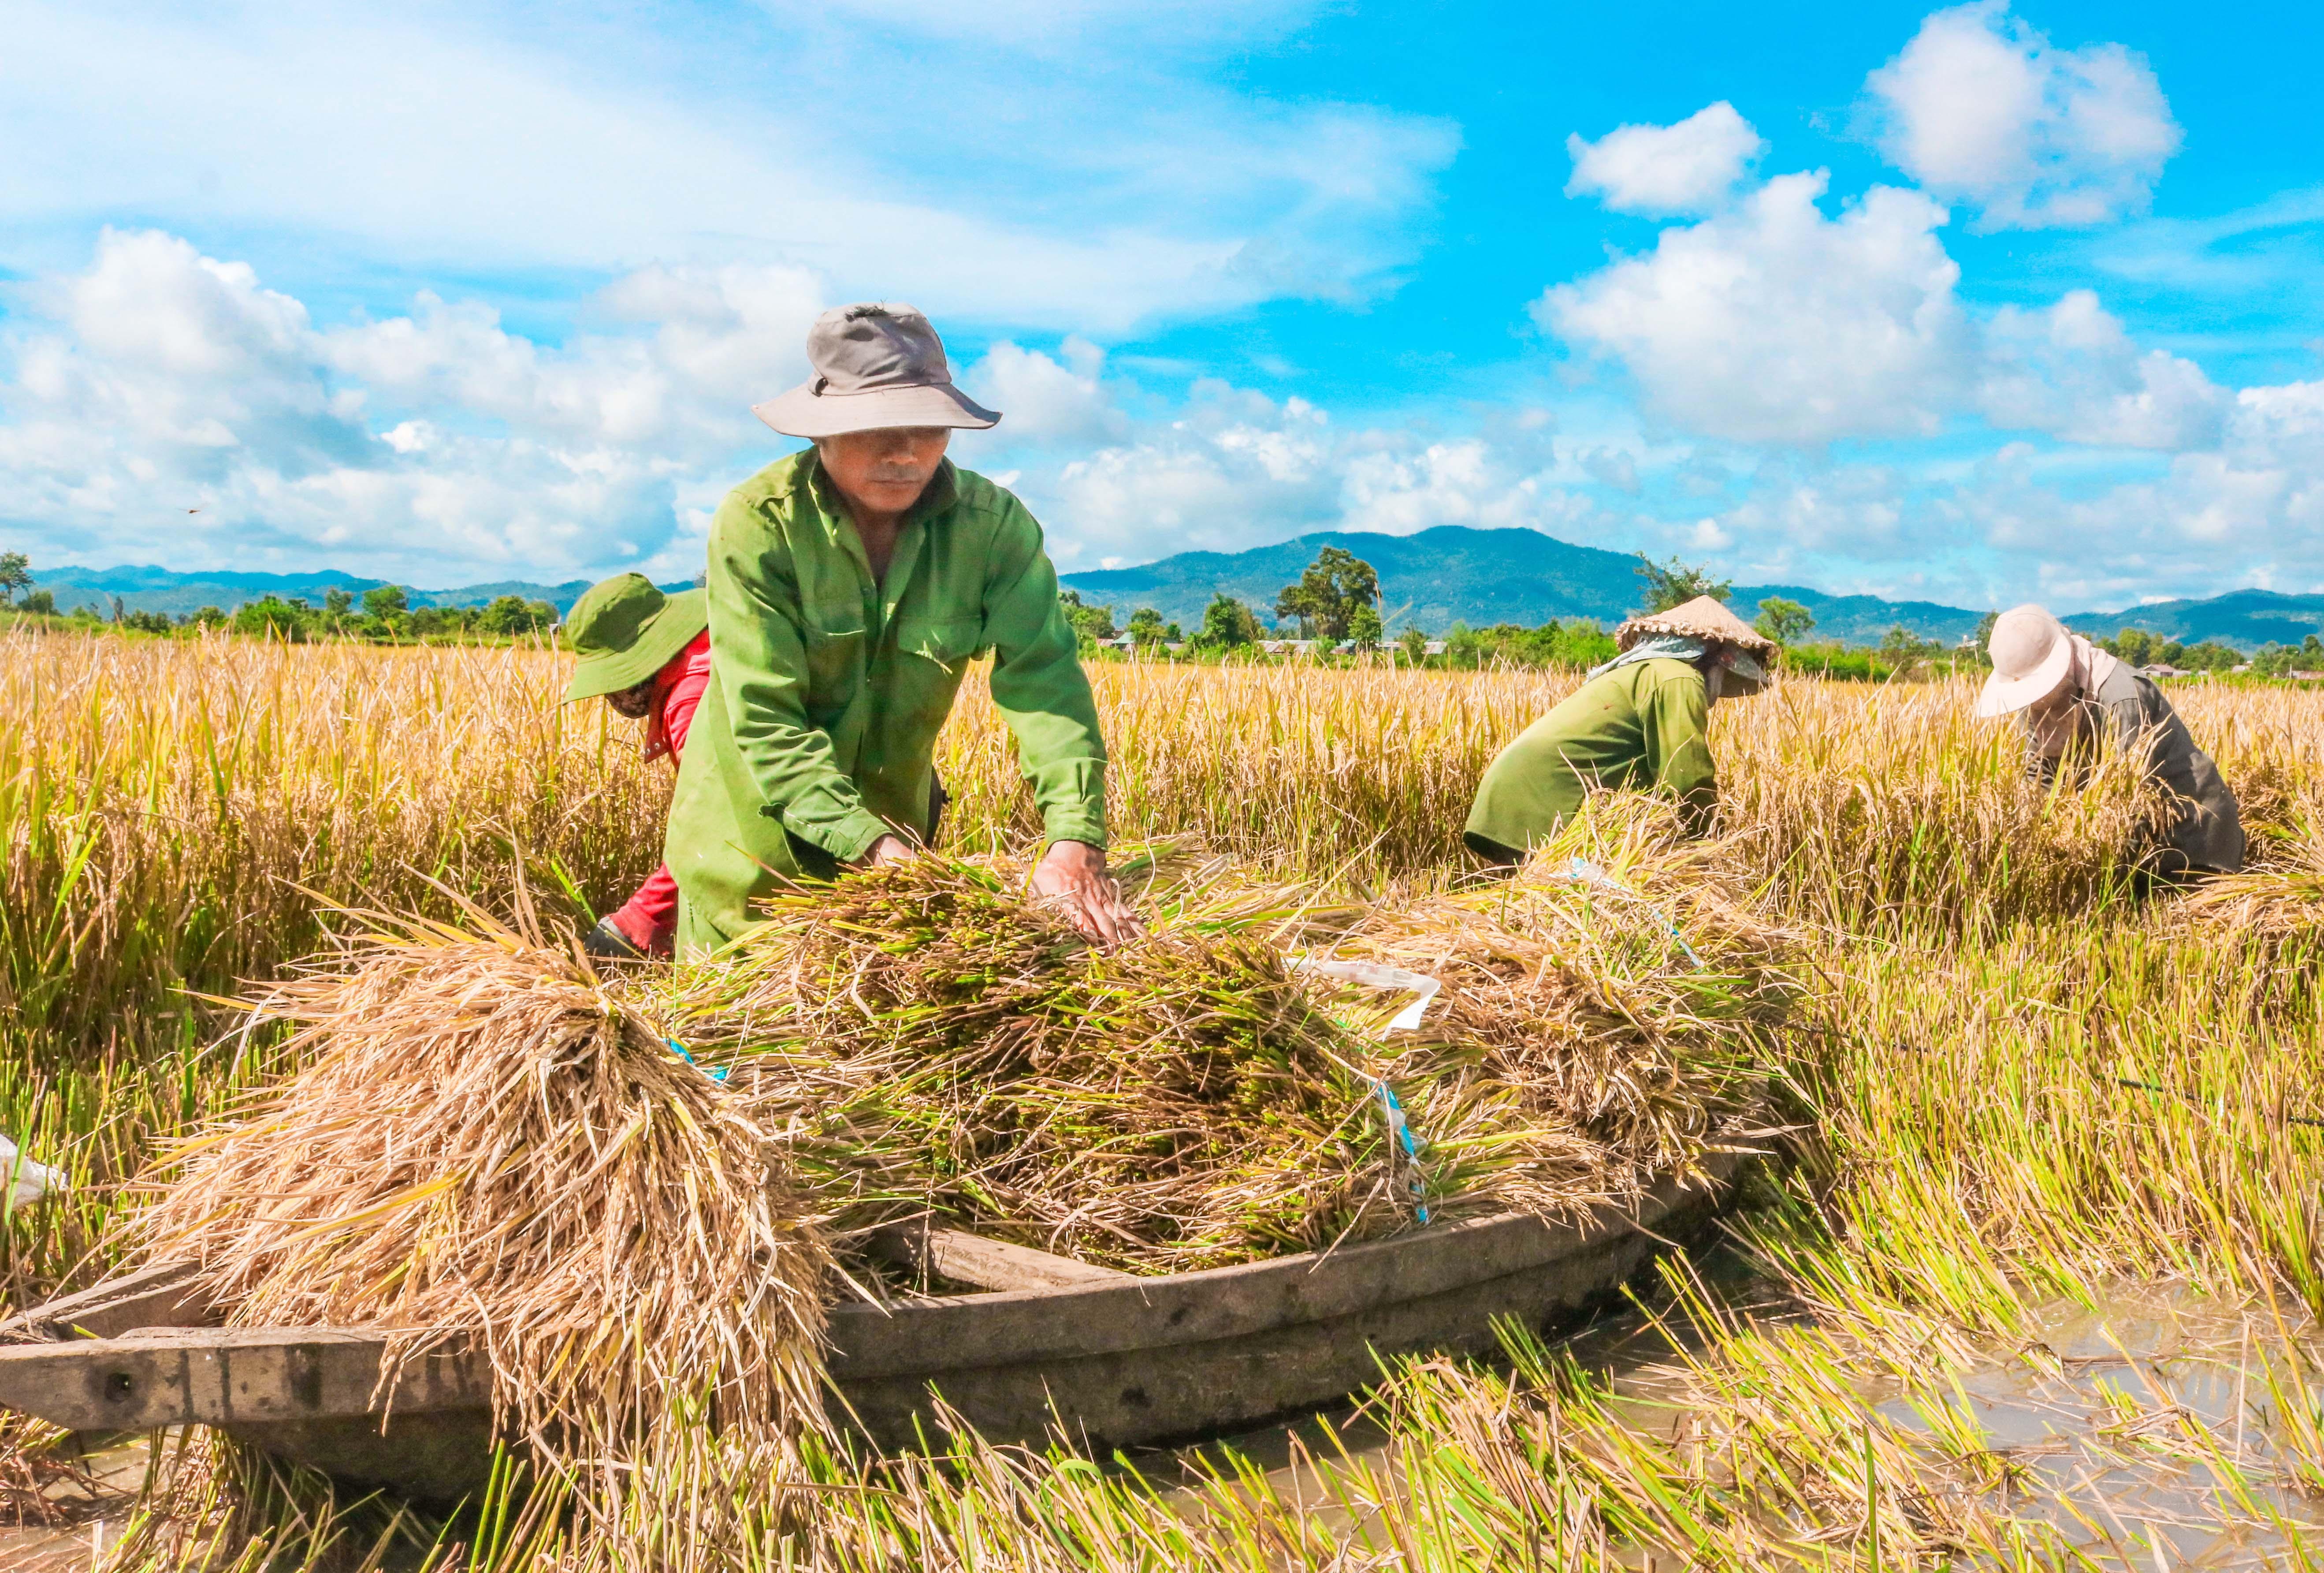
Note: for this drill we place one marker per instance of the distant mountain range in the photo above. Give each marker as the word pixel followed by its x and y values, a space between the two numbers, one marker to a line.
pixel 1431 580
pixel 1453 574
pixel 157 589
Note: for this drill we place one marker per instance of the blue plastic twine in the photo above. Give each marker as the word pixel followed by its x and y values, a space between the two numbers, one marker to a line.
pixel 1401 1130
pixel 679 1049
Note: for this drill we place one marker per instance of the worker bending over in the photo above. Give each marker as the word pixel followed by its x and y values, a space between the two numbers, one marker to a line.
pixel 647 655
pixel 1637 721
pixel 850 585
pixel 2068 694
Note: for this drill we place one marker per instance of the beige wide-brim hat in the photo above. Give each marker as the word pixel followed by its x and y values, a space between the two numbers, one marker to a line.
pixel 2032 654
pixel 1705 617
pixel 878 367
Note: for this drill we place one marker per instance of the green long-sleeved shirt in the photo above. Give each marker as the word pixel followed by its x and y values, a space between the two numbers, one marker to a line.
pixel 829 686
pixel 1640 724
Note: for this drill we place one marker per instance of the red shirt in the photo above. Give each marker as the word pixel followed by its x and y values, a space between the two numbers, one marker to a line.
pixel 650 918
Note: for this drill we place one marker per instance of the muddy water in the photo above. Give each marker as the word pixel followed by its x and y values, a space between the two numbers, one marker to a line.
pixel 2140 1432
pixel 87 1512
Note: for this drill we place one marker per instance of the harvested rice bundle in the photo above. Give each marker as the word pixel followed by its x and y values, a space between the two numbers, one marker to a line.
pixel 486 1144
pixel 928 1040
pixel 1608 996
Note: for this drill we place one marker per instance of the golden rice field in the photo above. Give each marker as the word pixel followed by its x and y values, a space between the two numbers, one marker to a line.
pixel 2016 1085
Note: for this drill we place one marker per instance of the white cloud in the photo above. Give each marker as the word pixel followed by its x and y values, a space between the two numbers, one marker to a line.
pixel 497 137
pixel 1060 400
pixel 1236 469
pixel 420 447
pixel 2072 371
pixel 1690 167
pixel 1771 323
pixel 1981 108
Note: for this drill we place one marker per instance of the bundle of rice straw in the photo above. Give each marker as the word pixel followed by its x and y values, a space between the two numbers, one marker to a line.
pixel 928 1042
pixel 487 1145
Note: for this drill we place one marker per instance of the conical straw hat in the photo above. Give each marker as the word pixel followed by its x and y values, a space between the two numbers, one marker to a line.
pixel 1702 617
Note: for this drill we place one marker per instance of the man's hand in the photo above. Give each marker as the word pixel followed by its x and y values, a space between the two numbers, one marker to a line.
pixel 886 850
pixel 1072 875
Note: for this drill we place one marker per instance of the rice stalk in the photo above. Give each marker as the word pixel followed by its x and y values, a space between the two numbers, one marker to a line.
pixel 488 1145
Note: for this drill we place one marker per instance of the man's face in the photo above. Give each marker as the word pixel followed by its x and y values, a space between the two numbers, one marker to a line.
pixel 2054 704
pixel 633 701
pixel 884 472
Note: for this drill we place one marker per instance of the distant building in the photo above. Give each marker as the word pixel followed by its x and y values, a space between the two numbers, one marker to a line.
pixel 2163 669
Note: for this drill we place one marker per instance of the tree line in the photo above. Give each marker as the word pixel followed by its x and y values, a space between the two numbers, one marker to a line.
pixel 384 614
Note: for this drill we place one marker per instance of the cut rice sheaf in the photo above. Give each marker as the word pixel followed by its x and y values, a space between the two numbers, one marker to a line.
pixel 488 1143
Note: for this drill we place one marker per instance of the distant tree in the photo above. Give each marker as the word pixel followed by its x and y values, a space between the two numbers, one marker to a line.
pixel 209 617
pixel 42 601
pixel 1365 631
pixel 1227 623
pixel 271 616
pixel 513 615
pixel 1145 627
pixel 386 603
pixel 1325 599
pixel 1676 583
pixel 149 622
pixel 1984 635
pixel 1415 645
pixel 1784 622
pixel 1901 648
pixel 1091 624
pixel 337 602
pixel 2135 645
pixel 16 574
pixel 1173 635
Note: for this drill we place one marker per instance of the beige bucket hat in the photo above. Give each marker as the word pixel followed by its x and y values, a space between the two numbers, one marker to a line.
pixel 2031 654
pixel 878 366
pixel 1705 617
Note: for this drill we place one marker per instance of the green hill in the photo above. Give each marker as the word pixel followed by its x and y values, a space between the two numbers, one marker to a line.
pixel 1453 574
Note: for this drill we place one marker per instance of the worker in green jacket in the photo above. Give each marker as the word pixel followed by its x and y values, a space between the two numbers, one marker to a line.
pixel 1640 720
pixel 850 585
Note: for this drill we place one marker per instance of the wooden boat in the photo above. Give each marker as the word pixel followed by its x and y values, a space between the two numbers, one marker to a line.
pixel 1059 1346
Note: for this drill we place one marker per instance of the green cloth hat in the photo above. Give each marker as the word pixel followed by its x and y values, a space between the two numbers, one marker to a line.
pixel 625 630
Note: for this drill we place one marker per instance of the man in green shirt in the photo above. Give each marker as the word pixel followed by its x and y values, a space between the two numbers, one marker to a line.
pixel 850 585
pixel 1640 720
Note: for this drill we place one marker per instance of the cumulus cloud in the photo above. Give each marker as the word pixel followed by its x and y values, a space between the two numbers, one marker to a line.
pixel 2072 371
pixel 1236 469
pixel 425 446
pixel 1660 170
pixel 1980 107
pixel 506 138
pixel 1773 323
pixel 1048 400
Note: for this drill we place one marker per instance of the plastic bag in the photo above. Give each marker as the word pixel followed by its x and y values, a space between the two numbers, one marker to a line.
pixel 26 1180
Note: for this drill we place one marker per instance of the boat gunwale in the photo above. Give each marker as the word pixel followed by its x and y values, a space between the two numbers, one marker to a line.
pixel 926 1338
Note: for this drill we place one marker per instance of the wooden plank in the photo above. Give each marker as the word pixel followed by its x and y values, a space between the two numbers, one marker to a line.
pixel 965 1258
pixel 225 1376
pixel 157 1297
pixel 930 1337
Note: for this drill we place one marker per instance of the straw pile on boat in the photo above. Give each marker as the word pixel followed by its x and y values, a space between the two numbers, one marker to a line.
pixel 487 1143
pixel 927 1042
pixel 489 1140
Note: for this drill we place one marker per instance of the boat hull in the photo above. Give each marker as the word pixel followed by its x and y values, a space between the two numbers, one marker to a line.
pixel 1118 1364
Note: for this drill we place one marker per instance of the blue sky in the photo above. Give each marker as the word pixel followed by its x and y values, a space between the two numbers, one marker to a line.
pixel 1975 303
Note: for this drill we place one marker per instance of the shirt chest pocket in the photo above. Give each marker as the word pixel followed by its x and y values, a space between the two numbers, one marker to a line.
pixel 834 645
pixel 948 642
